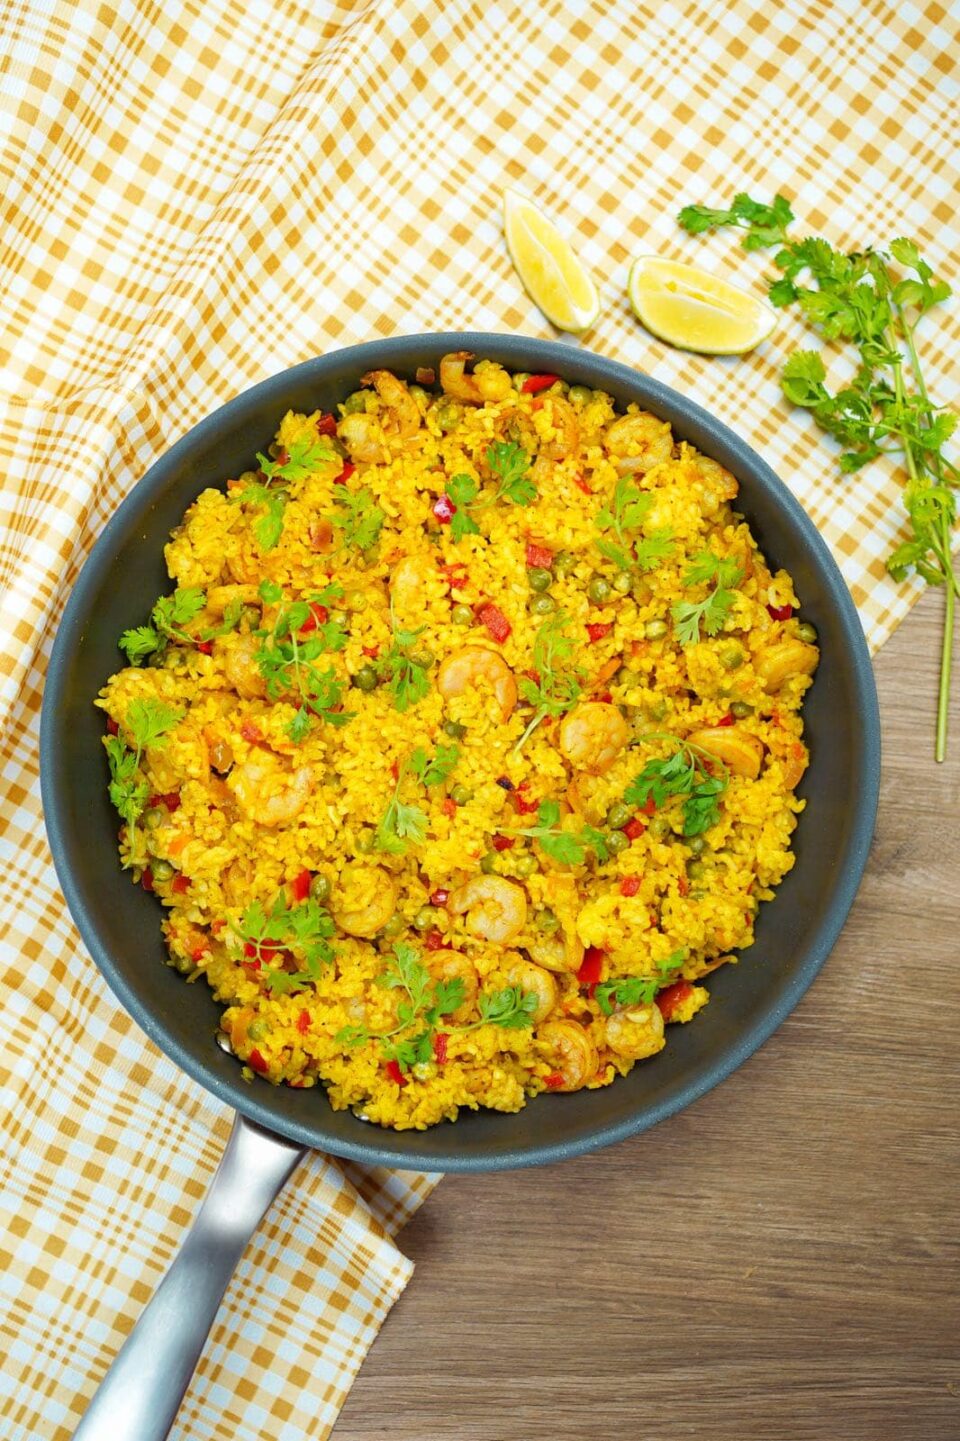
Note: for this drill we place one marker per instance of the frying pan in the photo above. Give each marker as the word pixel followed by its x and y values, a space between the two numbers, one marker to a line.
pixel 275 1125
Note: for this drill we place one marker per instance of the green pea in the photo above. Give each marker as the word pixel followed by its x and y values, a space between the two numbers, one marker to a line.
pixel 365 840
pixel 543 605
pixel 740 709
pixel 257 1030
pixel 425 918
pixel 731 657
pixel 546 921
pixel 580 395
pixel 539 579
pixel 617 842
pixel 657 709
pixel 626 676
pixel 658 828
pixel 564 562
pixel 356 599
pixel 696 870
pixel 461 615
pixel 460 795
pixel 424 1070
pixel 354 403
pixel 394 926
pixel 365 678
pixel 340 618
pixel 622 583
pixel 618 814
pixel 807 632
pixel 454 729
pixel 697 845
pixel 656 629
pixel 423 658
pixel 598 590
pixel 490 863
pixel 154 817
pixel 320 888
pixel 162 870
pixel 282 495
pixel 247 477
pixel 449 415
pixel 525 865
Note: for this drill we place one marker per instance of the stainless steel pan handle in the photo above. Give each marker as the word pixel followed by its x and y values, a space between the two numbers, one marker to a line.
pixel 139 1397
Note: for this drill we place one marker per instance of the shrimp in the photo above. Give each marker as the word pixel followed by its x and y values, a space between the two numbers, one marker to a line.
pixel 488 382
pixel 268 793
pixel 496 909
pixel 363 436
pixel 716 484
pixel 408 587
pixel 558 953
pixel 635 1033
pixel 567 426
pixel 370 902
pixel 466 668
pixel 401 406
pixel 240 666
pixel 451 966
pixel 639 442
pixel 740 751
pixel 571 1053
pixel 592 735
pixel 534 981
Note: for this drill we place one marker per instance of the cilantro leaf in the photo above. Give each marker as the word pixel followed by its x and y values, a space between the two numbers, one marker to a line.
pixel 711 612
pixel 139 642
pixel 359 519
pixel 639 990
pixel 558 686
pixel 431 772
pixel 683 773
pixel 510 463
pixel 149 720
pixel 302 458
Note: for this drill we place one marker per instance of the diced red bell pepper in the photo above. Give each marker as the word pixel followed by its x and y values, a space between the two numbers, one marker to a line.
pixel 346 472
pixel 780 612
pixel 170 799
pixel 112 726
pixel 251 732
pixel 554 1081
pixel 598 630
pixel 257 1062
pixel 319 615
pixel 629 885
pixel 726 720
pixel 303 1022
pixel 496 622
pixel 393 1073
pixel 180 884
pixel 395 770
pixel 683 885
pixel 591 968
pixel 434 941
pixel 523 806
pixel 197 954
pixel 300 886
pixel 671 997
pixel 455 575
pixel 633 828
pixel 146 880
pixel 205 647
pixel 449 807
pixel 444 509
pixel 538 556
pixel 327 425
pixel 440 896
pixel 372 651
pixel 649 806
pixel 535 383
pixel 504 843
pixel 581 484
pixel 440 1047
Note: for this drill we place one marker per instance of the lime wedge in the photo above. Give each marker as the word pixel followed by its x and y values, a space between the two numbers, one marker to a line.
pixel 694 310
pixel 552 275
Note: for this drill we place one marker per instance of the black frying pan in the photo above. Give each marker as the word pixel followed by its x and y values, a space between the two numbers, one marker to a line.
pixel 794 933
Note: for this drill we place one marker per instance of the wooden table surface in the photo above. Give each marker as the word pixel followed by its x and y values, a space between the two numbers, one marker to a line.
pixel 778 1261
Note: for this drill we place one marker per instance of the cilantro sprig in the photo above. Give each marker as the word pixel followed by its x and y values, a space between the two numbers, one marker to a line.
pixel 402 822
pixel 639 990
pixel 359 519
pixel 723 574
pixel 624 516
pixel 558 684
pixel 873 301
pixel 147 722
pixel 567 848
pixel 509 464
pixel 303 929
pixel 407 679
pixel 301 458
pixel 168 619
pixel 287 660
pixel 682 773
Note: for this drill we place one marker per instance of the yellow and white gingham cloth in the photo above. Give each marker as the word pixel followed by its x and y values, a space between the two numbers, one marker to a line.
pixel 196 195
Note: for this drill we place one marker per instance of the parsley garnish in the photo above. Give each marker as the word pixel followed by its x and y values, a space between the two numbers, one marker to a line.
pixel 287 662
pixel 167 620
pixel 268 527
pixel 556 689
pixel 510 463
pixel 639 990
pixel 683 773
pixel 711 612
pixel 885 409
pixel 567 848
pixel 359 519
pixel 305 929
pixel 407 680
pixel 147 722
pixel 303 457
pixel 463 491
pixel 401 822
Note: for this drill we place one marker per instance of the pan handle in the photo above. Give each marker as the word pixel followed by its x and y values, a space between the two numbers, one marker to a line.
pixel 139 1396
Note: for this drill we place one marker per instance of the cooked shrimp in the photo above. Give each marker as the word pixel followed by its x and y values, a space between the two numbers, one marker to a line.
pixel 639 442
pixel 451 966
pixel 408 583
pixel 571 1053
pixel 534 981
pixel 488 381
pixel 402 408
pixel 567 426
pixel 716 484
pixel 562 953
pixel 496 909
pixel 220 596
pixel 268 793
pixel 635 1033
pixel 363 436
pixel 592 735
pixel 740 751
pixel 240 666
pixel 466 668
pixel 368 904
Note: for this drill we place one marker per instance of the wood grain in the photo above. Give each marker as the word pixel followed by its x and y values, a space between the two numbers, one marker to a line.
pixel 778 1261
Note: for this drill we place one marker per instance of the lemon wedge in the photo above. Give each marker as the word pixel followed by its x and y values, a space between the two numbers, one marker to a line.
pixel 694 310
pixel 551 274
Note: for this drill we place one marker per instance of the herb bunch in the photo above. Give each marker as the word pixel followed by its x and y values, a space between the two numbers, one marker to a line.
pixel 639 990
pixel 682 773
pixel 401 822
pixel 147 722
pixel 303 457
pixel 168 619
pixel 628 509
pixel 509 464
pixel 723 574
pixel 558 685
pixel 303 929
pixel 287 660
pixel 862 299
pixel 567 848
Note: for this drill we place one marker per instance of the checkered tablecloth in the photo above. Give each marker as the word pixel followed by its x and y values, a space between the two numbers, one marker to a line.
pixel 197 195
